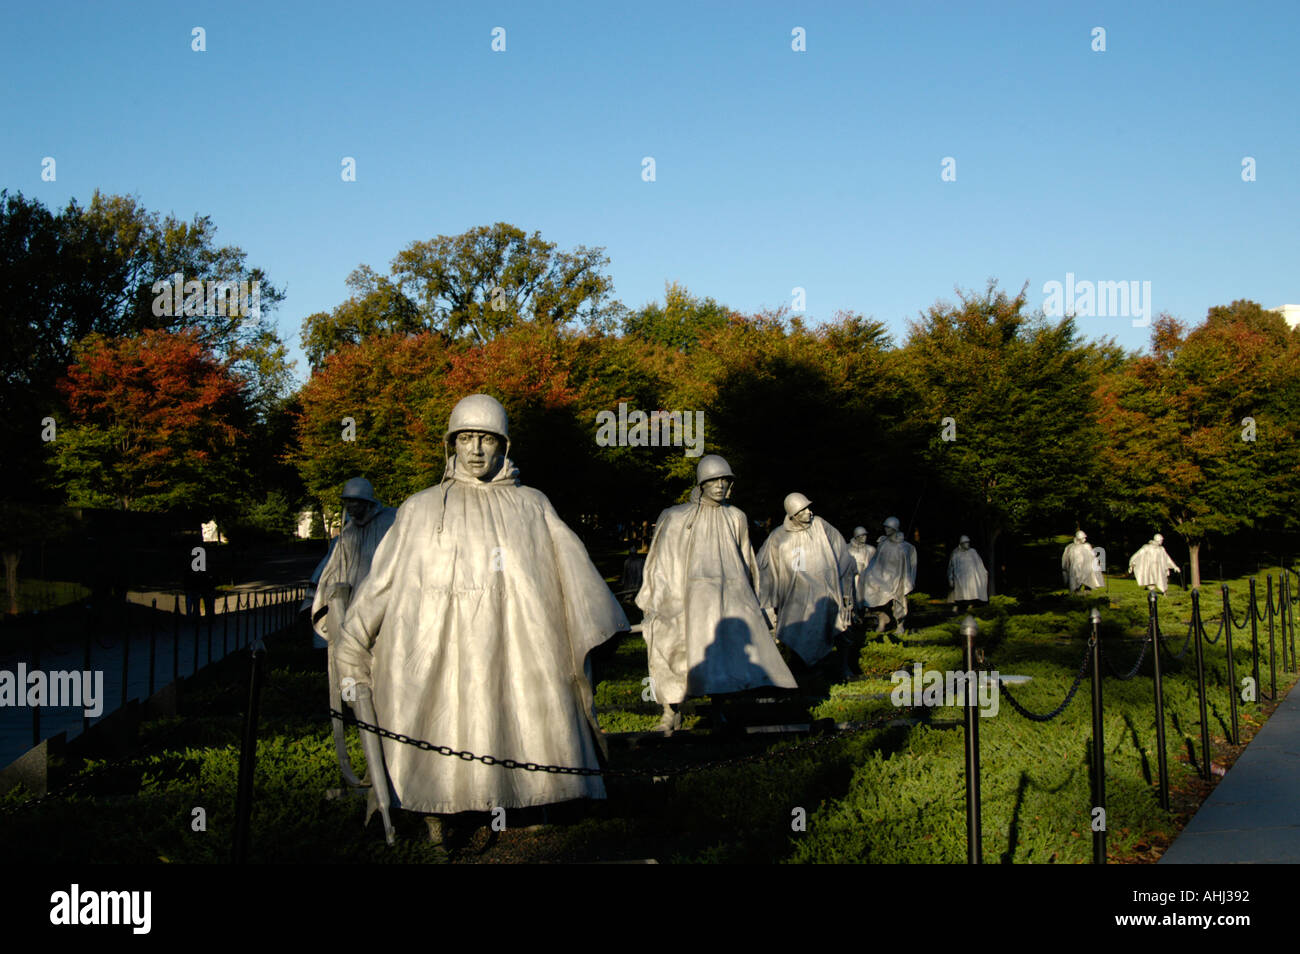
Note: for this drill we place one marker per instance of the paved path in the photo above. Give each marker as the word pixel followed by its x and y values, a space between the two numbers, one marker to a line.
pixel 1253 815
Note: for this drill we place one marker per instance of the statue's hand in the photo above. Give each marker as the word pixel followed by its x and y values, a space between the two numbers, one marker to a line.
pixel 354 670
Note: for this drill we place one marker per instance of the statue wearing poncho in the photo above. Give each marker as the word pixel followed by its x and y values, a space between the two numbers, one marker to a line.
pixel 473 628
pixel 1150 566
pixel 352 551
pixel 968 578
pixel 704 629
pixel 863 553
pixel 890 576
pixel 1079 565
pixel 807 575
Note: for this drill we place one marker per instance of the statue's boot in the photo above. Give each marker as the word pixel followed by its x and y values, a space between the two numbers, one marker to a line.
pixel 670 722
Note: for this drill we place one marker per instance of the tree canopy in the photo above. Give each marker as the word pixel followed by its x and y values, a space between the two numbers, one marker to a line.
pixel 1201 435
pixel 155 424
pixel 92 270
pixel 473 286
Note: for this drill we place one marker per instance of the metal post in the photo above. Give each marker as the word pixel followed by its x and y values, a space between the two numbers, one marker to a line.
pixel 1098 744
pixel 153 641
pixel 225 625
pixel 1288 631
pixel 208 614
pixel 1153 624
pixel 974 837
pixel 126 652
pixel 176 639
pixel 85 719
pixel 248 759
pixel 1272 646
pixel 1291 621
pixel 197 637
pixel 1254 637
pixel 1280 613
pixel 1200 684
pixel 1232 668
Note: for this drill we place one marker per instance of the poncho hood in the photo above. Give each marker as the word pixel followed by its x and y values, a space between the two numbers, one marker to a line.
pixel 792 526
pixel 507 475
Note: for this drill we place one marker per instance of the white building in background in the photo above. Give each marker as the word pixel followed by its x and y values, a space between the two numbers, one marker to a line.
pixel 1291 313
pixel 211 534
pixel 304 524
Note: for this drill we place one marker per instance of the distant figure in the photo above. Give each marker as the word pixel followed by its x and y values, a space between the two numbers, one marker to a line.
pixel 808 578
pixel 968 579
pixel 1079 565
pixel 1150 566
pixel 704 628
pixel 888 579
pixel 863 553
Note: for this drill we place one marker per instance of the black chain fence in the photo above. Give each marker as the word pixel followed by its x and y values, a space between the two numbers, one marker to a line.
pixel 1125 677
pixel 1069 696
pixel 841 731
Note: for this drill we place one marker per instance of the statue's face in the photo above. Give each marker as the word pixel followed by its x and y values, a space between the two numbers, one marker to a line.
pixel 1159 539
pixel 716 489
pixel 803 517
pixel 965 544
pixel 861 538
pixel 357 509
pixel 478 453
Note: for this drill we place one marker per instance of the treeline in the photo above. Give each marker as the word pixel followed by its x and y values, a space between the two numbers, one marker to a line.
pixel 985 418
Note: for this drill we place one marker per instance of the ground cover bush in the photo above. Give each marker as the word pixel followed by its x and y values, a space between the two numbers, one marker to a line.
pixel 890 794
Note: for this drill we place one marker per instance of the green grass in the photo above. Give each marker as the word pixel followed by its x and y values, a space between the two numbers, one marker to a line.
pixel 893 794
pixel 43 595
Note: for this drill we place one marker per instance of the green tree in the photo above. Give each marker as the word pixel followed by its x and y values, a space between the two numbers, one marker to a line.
pixel 680 322
pixel 1007 401
pixel 471 286
pixel 377 307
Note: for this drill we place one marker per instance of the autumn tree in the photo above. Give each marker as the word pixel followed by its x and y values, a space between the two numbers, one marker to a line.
pixel 1201 433
pixel 92 270
pixel 369 412
pixel 153 423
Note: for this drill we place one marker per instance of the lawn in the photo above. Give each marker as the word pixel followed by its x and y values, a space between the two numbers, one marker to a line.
pixel 889 794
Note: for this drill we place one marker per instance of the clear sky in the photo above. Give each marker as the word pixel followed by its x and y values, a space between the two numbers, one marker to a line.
pixel 774 169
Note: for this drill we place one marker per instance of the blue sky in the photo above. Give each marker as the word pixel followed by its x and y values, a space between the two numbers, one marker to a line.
pixel 774 168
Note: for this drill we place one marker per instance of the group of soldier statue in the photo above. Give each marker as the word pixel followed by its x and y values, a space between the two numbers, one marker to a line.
pixel 466 616
pixel 1081 565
